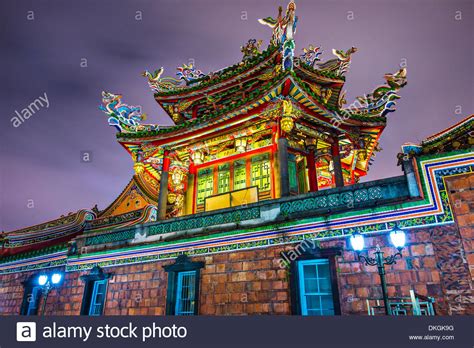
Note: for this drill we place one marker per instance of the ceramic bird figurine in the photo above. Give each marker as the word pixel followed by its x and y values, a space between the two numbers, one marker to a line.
pixel 155 76
pixel 397 80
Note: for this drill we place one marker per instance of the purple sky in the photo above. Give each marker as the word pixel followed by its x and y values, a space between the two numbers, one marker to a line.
pixel 41 158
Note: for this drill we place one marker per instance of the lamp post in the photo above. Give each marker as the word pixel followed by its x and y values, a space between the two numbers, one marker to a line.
pixel 398 238
pixel 47 283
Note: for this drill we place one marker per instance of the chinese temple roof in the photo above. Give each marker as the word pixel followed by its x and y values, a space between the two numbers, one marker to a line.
pixel 134 205
pixel 195 100
pixel 222 103
pixel 457 137
pixel 45 234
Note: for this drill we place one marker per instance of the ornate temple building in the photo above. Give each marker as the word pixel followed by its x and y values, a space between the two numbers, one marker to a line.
pixel 245 205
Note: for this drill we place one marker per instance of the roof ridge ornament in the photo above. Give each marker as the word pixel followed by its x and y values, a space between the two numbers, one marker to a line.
pixel 251 49
pixel 341 63
pixel 387 92
pixel 310 55
pixel 186 72
pixel 160 84
pixel 125 118
pixel 382 100
pixel 189 74
pixel 283 31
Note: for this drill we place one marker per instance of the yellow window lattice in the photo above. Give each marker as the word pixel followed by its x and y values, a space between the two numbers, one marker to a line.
pixel 205 185
pixel 260 172
pixel 240 175
pixel 223 178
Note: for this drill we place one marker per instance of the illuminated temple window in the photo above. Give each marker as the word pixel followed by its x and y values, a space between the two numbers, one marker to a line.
pixel 223 178
pixel 260 172
pixel 205 184
pixel 292 173
pixel 240 175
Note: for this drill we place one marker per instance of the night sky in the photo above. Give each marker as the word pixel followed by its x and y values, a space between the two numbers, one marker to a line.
pixel 42 176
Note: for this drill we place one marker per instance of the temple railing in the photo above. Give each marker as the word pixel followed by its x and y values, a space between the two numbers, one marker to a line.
pixel 347 197
pixel 358 196
pixel 415 305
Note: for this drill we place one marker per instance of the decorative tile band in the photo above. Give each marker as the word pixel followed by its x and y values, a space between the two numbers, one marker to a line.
pixel 179 224
pixel 35 263
pixel 348 198
pixel 203 221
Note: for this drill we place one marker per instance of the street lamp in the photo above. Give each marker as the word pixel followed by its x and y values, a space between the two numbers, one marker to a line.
pixel 47 283
pixel 398 239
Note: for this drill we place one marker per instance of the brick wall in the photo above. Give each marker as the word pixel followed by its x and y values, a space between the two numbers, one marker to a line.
pixel 456 256
pixel 248 282
pixel 11 293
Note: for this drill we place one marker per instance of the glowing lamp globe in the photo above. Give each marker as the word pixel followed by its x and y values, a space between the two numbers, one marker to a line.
pixel 42 279
pixel 357 242
pixel 398 238
pixel 56 278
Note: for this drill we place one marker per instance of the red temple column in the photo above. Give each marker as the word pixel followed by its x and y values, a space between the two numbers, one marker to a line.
pixel 337 165
pixel 313 179
pixel 163 194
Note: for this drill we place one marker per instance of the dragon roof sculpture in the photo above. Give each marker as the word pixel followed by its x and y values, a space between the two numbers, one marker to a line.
pixel 123 117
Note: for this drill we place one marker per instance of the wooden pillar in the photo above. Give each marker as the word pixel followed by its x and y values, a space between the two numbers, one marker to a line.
pixel 163 194
pixel 312 175
pixel 283 162
pixel 336 160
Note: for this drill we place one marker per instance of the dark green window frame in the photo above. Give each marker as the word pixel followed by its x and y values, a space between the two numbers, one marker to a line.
pixel 182 264
pixel 89 299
